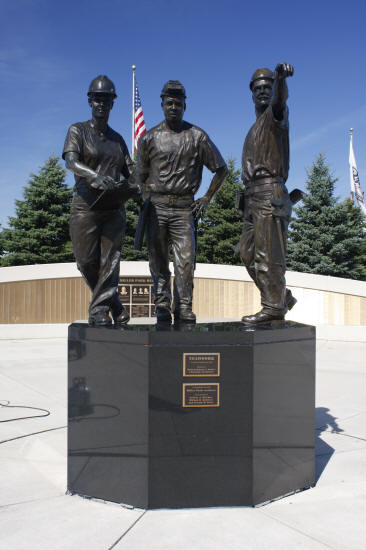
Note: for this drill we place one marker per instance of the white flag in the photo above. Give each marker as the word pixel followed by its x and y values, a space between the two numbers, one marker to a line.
pixel 354 178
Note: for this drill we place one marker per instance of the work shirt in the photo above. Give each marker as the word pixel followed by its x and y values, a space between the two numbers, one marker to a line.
pixel 105 153
pixel 266 147
pixel 173 161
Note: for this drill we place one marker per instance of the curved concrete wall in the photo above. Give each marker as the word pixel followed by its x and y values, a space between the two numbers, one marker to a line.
pixel 56 293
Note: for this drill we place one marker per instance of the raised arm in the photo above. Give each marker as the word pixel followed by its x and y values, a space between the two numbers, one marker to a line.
pixel 280 91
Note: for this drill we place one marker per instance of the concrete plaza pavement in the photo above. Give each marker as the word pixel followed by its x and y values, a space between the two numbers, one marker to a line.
pixel 35 512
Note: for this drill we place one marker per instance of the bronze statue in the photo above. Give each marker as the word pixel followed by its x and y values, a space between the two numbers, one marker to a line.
pixel 267 208
pixel 170 160
pixel 99 158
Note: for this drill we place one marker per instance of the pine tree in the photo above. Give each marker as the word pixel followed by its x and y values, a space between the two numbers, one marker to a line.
pixel 128 252
pixel 325 235
pixel 39 233
pixel 362 257
pixel 219 232
pixel 1 246
pixel 357 220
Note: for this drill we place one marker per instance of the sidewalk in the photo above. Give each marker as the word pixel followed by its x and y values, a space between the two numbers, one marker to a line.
pixel 35 513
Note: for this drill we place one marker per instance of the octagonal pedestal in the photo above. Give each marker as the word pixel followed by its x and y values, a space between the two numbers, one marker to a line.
pixel 206 415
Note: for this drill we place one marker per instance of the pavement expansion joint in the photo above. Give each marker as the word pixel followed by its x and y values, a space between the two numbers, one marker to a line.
pixel 299 531
pixel 31 500
pixel 127 531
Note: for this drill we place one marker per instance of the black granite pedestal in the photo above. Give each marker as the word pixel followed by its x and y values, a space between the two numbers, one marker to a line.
pixel 202 415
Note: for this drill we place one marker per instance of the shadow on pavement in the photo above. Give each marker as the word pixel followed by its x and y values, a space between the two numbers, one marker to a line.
pixel 324 421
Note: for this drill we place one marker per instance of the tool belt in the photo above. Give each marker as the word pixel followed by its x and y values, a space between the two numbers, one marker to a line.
pixel 174 201
pixel 261 185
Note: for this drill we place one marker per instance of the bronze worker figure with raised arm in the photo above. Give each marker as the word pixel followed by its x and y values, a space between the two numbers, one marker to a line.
pixel 170 160
pixel 99 158
pixel 267 210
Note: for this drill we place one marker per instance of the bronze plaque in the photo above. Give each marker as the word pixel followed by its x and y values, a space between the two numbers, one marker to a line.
pixel 124 292
pixel 135 281
pixel 140 294
pixel 135 293
pixel 201 364
pixel 139 310
pixel 201 395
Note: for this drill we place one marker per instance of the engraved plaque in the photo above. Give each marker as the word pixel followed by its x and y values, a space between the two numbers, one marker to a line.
pixel 135 281
pixel 140 294
pixel 139 311
pixel 201 364
pixel 136 294
pixel 201 395
pixel 124 292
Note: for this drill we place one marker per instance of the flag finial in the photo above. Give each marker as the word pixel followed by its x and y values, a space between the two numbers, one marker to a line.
pixel 133 67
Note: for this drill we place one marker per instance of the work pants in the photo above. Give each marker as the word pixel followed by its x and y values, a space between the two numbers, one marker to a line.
pixel 171 226
pixel 97 237
pixel 260 246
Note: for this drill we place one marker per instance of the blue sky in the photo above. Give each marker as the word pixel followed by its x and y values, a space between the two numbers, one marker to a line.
pixel 51 50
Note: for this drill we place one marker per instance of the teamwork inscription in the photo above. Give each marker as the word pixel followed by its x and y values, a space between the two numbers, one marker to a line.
pixel 201 364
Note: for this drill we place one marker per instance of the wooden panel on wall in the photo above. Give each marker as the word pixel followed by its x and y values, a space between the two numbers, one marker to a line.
pixel 352 310
pixel 67 299
pixel 328 309
pixel 362 311
pixel 218 298
pixel 44 301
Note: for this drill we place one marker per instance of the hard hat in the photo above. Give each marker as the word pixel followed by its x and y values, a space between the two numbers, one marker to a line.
pixel 174 88
pixel 261 74
pixel 102 85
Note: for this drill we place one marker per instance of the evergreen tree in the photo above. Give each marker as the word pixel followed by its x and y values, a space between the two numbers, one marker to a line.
pixel 357 219
pixel 1 246
pixel 128 252
pixel 219 232
pixel 39 233
pixel 325 235
pixel 362 257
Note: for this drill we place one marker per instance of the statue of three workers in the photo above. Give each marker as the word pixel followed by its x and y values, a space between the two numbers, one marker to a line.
pixel 168 173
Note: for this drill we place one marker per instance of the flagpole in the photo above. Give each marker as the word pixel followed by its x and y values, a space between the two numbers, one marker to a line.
pixel 133 112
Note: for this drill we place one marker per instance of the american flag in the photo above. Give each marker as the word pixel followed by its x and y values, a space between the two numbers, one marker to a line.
pixel 140 127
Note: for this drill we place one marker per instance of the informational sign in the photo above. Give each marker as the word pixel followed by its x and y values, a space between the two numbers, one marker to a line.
pixel 136 295
pixel 201 395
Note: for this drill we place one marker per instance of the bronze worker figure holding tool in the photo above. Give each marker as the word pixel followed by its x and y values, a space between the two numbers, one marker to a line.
pixel 99 158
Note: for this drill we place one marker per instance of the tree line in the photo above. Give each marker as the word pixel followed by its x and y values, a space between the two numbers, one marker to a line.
pixel 326 236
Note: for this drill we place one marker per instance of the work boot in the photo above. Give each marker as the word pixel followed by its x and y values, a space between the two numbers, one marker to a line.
pixel 120 314
pixel 163 314
pixel 185 314
pixel 290 300
pixel 100 319
pixel 261 318
pixel 183 326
